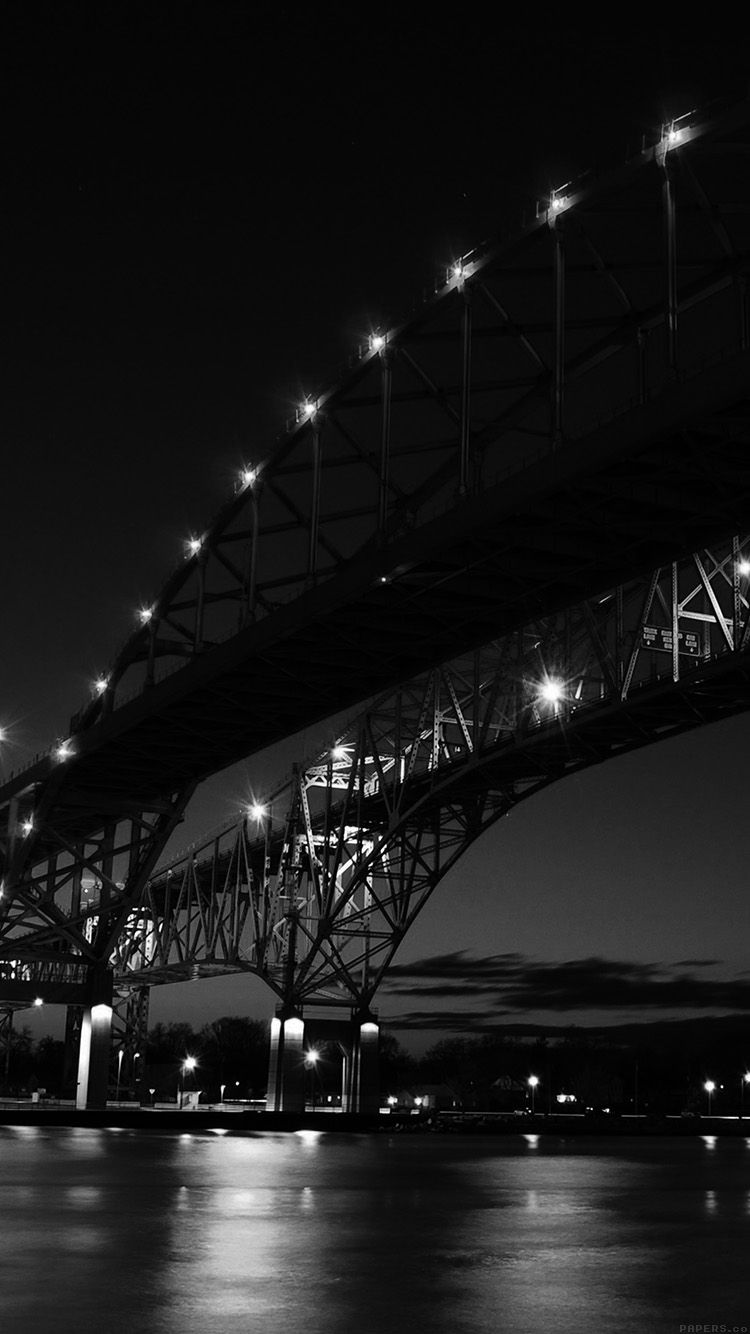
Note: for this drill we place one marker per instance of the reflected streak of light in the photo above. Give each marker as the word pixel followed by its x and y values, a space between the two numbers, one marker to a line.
pixel 309 1138
pixel 82 1196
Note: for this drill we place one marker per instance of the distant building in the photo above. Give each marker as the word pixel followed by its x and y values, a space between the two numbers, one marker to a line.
pixel 428 1097
pixel 508 1094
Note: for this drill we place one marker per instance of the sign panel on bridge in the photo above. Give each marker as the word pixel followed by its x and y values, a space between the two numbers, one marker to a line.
pixel 657 637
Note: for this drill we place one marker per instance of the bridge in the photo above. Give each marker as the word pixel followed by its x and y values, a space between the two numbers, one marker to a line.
pixel 517 525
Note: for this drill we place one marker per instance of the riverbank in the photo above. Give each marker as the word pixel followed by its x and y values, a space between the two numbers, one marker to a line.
pixel 241 1121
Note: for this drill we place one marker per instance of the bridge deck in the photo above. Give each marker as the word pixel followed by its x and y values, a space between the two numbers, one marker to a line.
pixel 651 486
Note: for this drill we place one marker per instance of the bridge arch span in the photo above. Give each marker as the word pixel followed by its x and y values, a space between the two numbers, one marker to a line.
pixel 336 865
pixel 564 420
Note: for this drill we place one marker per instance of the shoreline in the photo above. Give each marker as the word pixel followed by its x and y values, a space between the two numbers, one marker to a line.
pixel 243 1122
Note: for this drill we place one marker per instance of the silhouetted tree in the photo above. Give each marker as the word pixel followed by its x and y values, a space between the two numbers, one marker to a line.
pixel 49 1061
pixel 20 1060
pixel 396 1066
pixel 234 1052
pixel 170 1042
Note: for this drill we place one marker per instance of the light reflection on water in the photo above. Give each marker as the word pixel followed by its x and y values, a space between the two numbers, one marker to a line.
pixel 335 1234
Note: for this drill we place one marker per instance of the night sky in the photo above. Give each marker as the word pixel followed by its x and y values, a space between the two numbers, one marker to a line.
pixel 207 208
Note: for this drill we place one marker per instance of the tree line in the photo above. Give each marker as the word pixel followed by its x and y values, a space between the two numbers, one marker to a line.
pixel 659 1069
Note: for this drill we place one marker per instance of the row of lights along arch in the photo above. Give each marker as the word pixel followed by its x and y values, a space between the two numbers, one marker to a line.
pixel 671 136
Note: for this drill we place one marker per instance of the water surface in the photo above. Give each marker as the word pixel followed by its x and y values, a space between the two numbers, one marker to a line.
pixel 375 1234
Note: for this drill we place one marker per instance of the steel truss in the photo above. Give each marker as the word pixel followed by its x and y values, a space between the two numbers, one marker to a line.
pixel 619 285
pixel 568 408
pixel 53 897
pixel 316 892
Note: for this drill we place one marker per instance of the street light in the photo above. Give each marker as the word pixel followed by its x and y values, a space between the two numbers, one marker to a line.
pixel 312 1056
pixel 533 1081
pixel 551 691
pixel 709 1086
pixel 743 1081
pixel 189 1063
pixel 119 1072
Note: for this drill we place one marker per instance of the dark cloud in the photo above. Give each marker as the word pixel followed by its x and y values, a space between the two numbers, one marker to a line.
pixel 696 963
pixel 458 964
pixel 515 983
pixel 454 1021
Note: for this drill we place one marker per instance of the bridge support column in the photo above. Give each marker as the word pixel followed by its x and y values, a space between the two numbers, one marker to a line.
pixel 6 1043
pixel 73 1022
pixel 286 1065
pixel 363 1093
pixel 96 1041
pixel 130 1035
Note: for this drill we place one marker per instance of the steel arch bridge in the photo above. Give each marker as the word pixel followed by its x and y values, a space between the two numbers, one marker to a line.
pixel 517 470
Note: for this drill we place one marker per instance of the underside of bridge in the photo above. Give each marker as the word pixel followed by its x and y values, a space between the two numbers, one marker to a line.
pixel 540 483
pixel 314 889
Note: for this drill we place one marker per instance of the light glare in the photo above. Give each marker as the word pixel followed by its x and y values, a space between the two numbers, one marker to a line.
pixel 551 691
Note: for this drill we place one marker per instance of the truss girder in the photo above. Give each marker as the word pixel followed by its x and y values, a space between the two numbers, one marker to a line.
pixel 533 456
pixel 317 896
pixel 566 411
pixel 70 908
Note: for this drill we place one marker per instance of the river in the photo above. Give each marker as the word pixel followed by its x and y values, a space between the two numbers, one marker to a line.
pixel 111 1231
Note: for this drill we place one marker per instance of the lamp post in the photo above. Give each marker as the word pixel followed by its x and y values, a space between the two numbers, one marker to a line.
pixel 189 1063
pixel 533 1081
pixel 743 1081
pixel 263 815
pixel 119 1072
pixel 709 1086
pixel 312 1056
